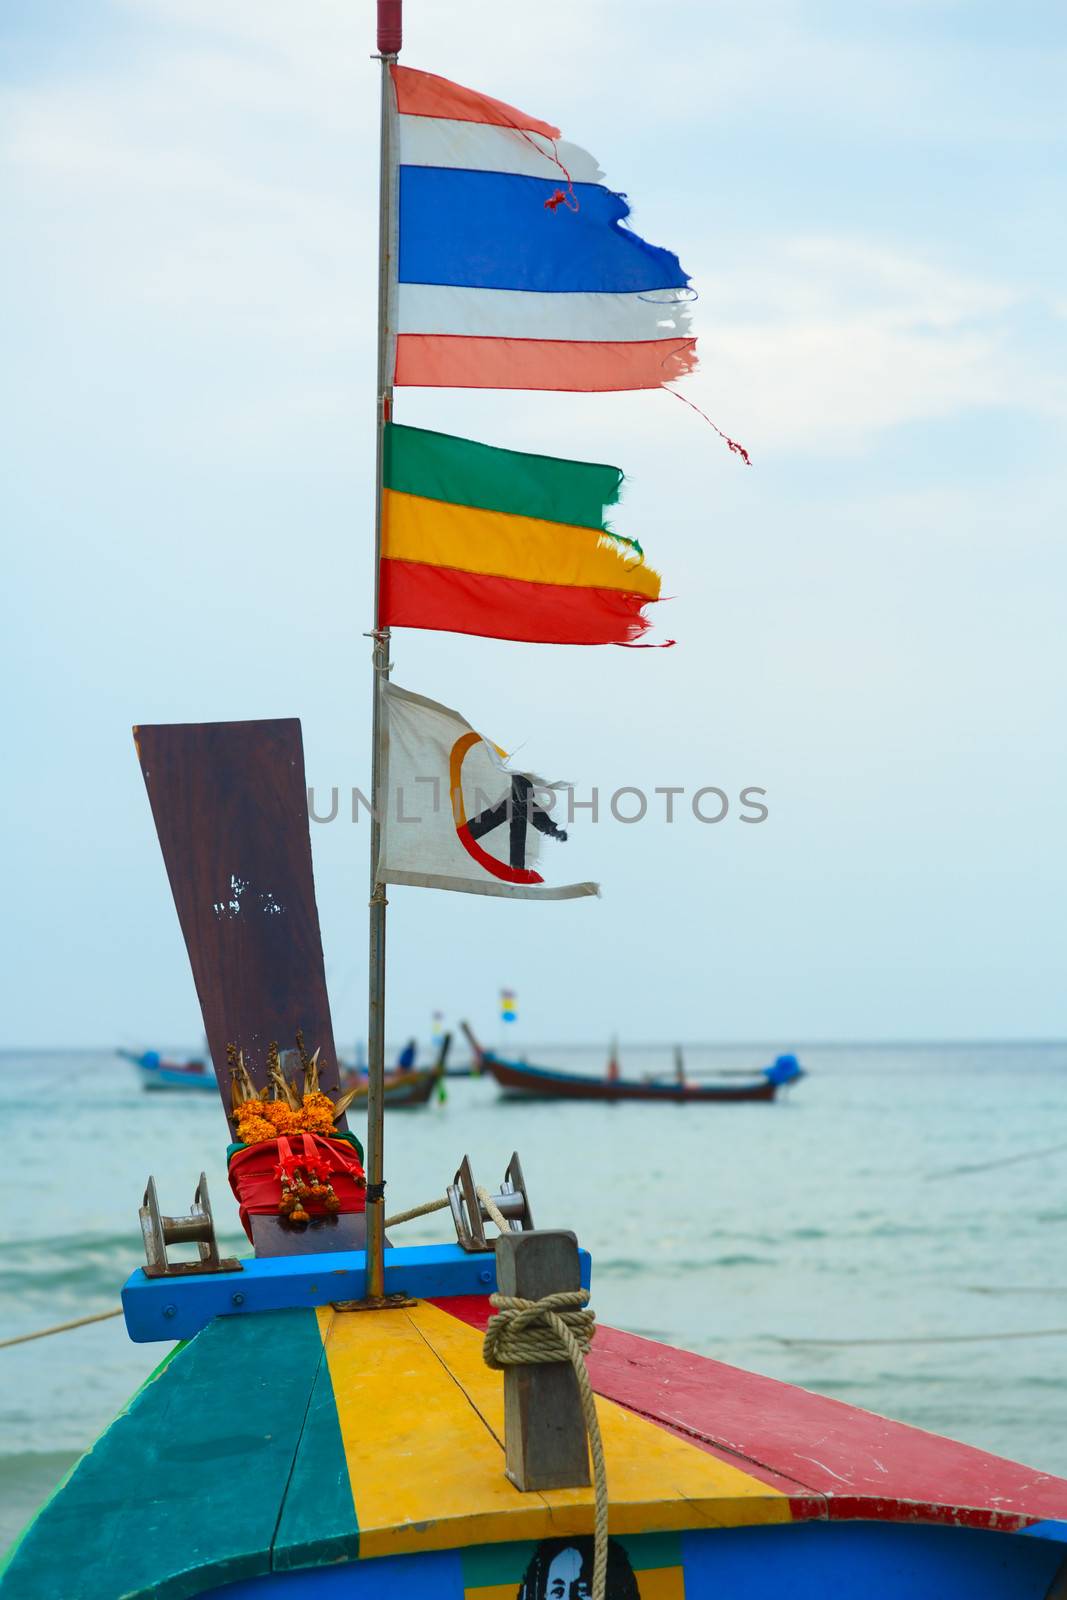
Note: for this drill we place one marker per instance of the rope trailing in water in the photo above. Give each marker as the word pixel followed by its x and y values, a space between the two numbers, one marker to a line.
pixel 559 1327
pixel 1002 1161
pixel 933 1338
pixel 61 1327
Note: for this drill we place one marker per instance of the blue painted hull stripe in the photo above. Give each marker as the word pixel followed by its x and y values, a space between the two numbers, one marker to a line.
pixel 848 1561
pixel 1048 1530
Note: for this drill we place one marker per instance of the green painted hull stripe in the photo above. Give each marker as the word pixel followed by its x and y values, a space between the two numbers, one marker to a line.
pixel 219 1425
pixel 318 1521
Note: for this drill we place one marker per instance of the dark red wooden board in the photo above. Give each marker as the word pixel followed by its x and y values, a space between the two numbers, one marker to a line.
pixel 230 806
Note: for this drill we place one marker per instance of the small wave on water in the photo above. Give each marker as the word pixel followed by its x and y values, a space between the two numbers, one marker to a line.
pixel 69 1267
pixel 678 1266
pixel 1014 1289
pixel 65 1266
pixel 740 1258
pixel 24 1248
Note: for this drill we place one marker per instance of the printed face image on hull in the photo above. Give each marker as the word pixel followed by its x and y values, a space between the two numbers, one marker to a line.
pixel 562 1569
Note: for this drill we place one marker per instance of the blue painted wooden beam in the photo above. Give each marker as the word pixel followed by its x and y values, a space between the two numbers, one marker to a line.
pixel 177 1308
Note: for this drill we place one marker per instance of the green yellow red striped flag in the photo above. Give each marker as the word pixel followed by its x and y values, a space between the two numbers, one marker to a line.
pixel 505 544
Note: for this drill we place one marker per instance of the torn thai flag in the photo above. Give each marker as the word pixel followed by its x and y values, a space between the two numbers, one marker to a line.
pixel 515 268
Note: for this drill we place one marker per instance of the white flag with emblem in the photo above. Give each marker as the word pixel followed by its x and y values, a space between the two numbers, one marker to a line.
pixel 454 815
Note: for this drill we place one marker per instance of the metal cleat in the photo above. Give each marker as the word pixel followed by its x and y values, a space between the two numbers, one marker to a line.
pixel 197 1228
pixel 470 1214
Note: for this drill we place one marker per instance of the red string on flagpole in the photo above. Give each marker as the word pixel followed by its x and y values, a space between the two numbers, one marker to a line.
pixel 570 199
pixel 732 444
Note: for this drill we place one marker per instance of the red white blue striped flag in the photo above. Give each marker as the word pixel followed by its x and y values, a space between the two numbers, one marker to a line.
pixel 515 266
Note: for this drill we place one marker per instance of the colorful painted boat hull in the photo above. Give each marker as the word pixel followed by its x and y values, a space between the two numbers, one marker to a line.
pixel 320 1452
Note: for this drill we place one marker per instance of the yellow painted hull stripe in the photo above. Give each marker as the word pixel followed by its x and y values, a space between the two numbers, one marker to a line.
pixel 506 546
pixel 422 1428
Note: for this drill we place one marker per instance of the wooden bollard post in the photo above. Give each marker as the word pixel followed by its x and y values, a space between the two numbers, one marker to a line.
pixel 544 1432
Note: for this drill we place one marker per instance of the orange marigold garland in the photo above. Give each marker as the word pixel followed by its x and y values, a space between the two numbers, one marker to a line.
pixel 252 1130
pixel 318 1113
pixel 258 1116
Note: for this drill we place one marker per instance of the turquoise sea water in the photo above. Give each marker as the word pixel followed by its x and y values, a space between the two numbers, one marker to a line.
pixel 844 1212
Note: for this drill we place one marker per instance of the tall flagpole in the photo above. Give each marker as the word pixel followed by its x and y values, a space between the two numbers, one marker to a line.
pixel 389 42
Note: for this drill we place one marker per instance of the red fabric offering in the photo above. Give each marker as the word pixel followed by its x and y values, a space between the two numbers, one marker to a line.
pixel 256 1174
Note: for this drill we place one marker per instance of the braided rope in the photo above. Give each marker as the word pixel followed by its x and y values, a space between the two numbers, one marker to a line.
pixel 493 1211
pixel 416 1211
pixel 559 1327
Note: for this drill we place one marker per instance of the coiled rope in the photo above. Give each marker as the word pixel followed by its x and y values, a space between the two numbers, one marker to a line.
pixel 559 1327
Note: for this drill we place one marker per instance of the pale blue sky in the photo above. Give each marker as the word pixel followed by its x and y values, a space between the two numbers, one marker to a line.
pixel 871 200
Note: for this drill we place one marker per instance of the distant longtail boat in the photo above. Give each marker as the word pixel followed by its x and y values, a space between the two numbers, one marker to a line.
pixel 521 1081
pixel 156 1072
